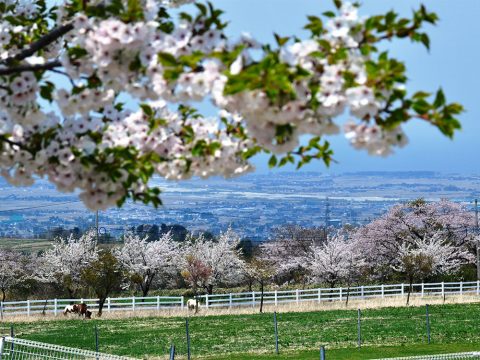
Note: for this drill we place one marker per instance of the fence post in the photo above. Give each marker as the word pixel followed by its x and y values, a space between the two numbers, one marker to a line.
pixel 359 328
pixel 28 307
pixel 276 331
pixel 362 292
pixel 443 289
pixel 188 339
pixel 230 300
pixel 55 307
pixel 133 303
pixel 383 291
pixel 1 310
pixel 12 334
pixel 96 338
pixel 183 301
pixel 403 290
pixel 276 298
pixel 461 288
pixel 296 296
pixel 108 304
pixel 253 298
pixel 158 302
pixel 2 342
pixel 340 294
pixel 478 287
pixel 172 352
pixel 319 295
pixel 206 300
pixel 423 289
pixel 322 352
pixel 428 323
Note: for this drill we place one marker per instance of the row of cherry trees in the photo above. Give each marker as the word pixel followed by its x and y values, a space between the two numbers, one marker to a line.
pixel 413 241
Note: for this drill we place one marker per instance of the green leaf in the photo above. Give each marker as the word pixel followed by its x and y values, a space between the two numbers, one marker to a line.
pixel 421 95
pixel 273 161
pixel 202 8
pixel 147 110
pixel 439 99
pixel 167 59
pixel 46 91
pixel 421 106
pixel 281 40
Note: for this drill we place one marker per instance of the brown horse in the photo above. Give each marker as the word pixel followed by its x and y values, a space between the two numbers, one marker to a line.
pixel 80 309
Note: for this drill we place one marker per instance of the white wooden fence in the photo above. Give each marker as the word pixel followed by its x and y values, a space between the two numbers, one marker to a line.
pixel 339 294
pixel 56 306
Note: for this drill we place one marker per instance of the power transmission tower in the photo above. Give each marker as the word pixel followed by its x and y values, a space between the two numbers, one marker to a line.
pixel 327 216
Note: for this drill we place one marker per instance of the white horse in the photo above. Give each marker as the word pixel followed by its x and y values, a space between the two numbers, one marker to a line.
pixel 192 304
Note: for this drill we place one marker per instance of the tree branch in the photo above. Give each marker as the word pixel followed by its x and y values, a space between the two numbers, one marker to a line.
pixel 10 142
pixel 23 68
pixel 41 43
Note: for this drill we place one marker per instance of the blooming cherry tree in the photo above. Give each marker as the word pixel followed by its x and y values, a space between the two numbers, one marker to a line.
pixel 146 261
pixel 97 96
pixel 334 261
pixel 221 257
pixel 65 261
pixel 289 250
pixel 428 256
pixel 13 270
pixel 382 240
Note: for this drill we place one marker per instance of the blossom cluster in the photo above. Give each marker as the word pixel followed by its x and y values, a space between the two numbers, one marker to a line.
pixel 217 152
pixel 108 129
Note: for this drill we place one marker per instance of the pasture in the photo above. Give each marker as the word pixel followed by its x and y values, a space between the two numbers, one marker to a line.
pixel 25 245
pixel 391 331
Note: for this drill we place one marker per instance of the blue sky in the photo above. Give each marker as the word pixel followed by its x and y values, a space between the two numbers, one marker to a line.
pixel 452 63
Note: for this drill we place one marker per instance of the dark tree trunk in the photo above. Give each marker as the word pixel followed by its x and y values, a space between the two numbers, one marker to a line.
pixel 145 289
pixel 250 284
pixel 147 285
pixel 101 303
pixel 196 303
pixel 410 288
pixel 209 289
pixel 348 293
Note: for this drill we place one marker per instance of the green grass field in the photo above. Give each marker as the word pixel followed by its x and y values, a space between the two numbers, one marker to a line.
pixel 26 245
pixel 385 332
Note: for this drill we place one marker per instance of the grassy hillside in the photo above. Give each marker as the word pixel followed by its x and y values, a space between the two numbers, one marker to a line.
pixel 387 331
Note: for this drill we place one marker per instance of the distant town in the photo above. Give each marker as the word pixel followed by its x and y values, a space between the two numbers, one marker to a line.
pixel 252 205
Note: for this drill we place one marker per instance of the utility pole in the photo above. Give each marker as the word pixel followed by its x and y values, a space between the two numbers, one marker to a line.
pixel 96 224
pixel 477 239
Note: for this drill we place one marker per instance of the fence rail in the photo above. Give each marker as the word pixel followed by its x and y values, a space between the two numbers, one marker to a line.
pixel 340 294
pixel 15 348
pixel 56 306
pixel 457 356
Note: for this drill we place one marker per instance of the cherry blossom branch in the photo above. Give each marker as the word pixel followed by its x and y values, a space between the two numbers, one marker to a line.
pixel 41 43
pixel 12 143
pixel 23 68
